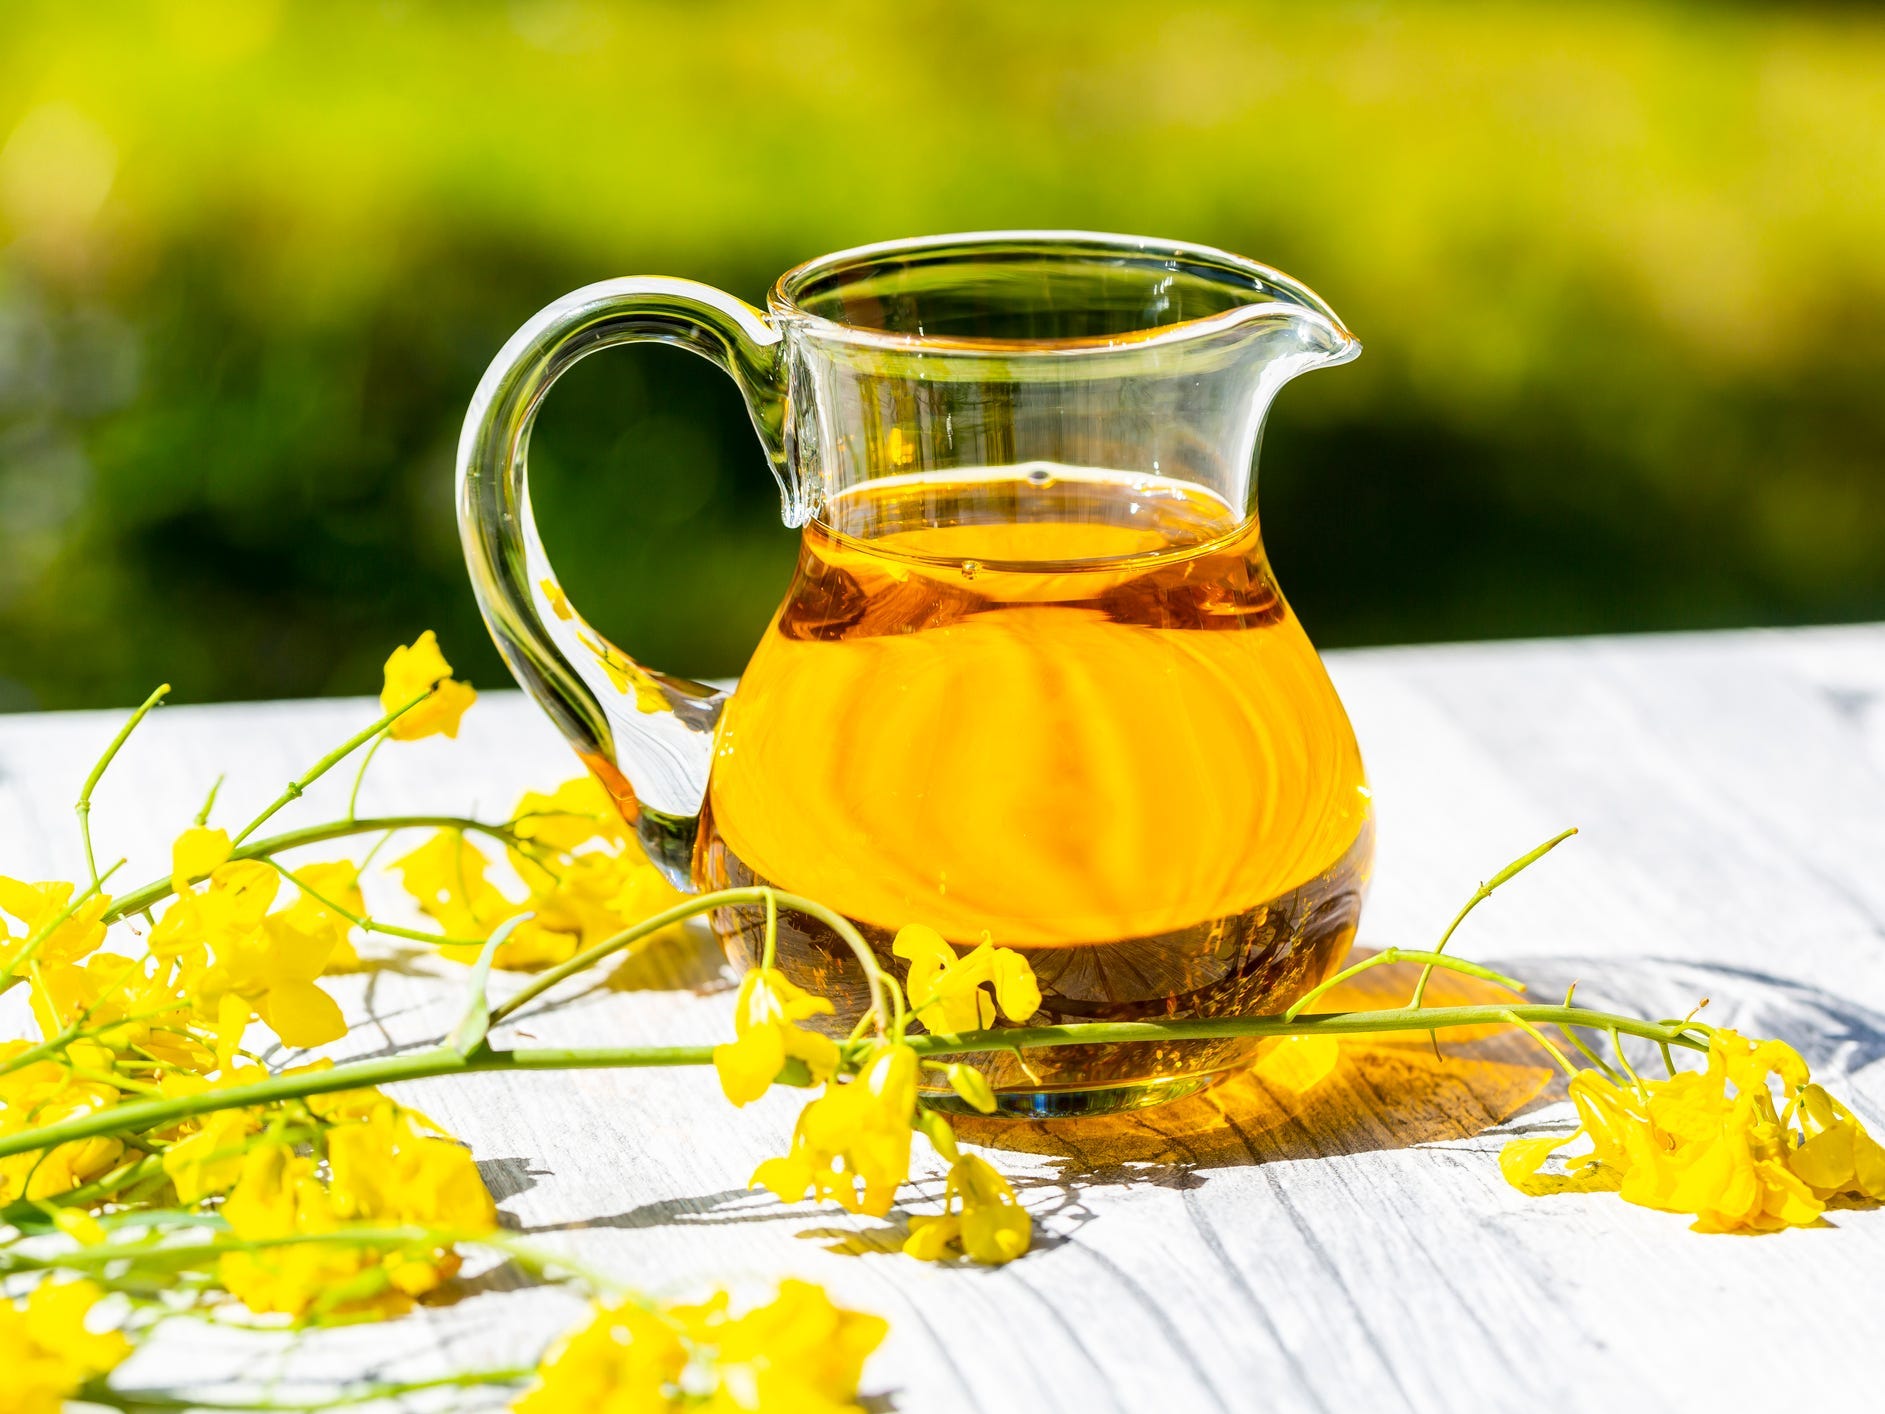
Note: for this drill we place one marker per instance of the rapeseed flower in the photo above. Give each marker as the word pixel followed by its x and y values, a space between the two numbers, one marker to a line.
pixel 382 1171
pixel 946 991
pixel 34 907
pixel 798 1354
pixel 1713 1143
pixel 856 1133
pixel 195 854
pixel 45 1092
pixel 765 1024
pixel 270 960
pixel 991 1226
pixel 585 876
pixel 418 669
pixel 48 1348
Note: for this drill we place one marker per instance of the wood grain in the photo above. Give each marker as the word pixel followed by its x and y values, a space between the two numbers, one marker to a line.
pixel 1251 1249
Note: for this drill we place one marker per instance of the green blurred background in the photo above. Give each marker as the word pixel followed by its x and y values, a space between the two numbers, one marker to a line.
pixel 1620 271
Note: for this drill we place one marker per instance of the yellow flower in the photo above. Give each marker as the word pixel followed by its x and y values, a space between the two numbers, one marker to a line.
pixel 946 991
pixel 338 881
pixel 798 1354
pixel 129 1003
pixel 576 813
pixel 593 882
pixel 422 669
pixel 269 959
pixel 203 1154
pixel 35 906
pixel 856 1132
pixel 765 1017
pixel 992 1227
pixel 1712 1144
pixel 383 1172
pixel 580 902
pixel 43 1093
pixel 384 1168
pixel 48 1350
pixel 629 1359
pixel 1838 1158
pixel 195 854
pixel 446 878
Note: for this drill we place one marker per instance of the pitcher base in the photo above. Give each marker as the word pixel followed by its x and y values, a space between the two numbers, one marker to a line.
pixel 1075 1103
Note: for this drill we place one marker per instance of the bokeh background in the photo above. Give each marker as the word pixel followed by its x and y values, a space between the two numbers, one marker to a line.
pixel 1620 271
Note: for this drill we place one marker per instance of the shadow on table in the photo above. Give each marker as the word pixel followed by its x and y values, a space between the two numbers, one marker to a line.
pixel 1384 1092
pixel 686 959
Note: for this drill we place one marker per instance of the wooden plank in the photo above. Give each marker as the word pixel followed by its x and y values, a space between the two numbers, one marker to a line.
pixel 1354 1248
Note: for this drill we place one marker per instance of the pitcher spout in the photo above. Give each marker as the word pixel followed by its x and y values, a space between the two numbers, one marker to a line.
pixel 1291 335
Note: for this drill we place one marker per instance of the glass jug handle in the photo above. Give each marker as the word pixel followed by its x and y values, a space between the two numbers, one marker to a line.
pixel 647 736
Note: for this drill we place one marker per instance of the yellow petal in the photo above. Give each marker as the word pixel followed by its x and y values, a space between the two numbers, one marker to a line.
pixel 412 670
pixel 932 1239
pixel 195 854
pixel 787 1177
pixel 1826 1161
pixel 972 1086
pixel 995 1227
pixel 295 953
pixel 748 1066
pixel 916 941
pixel 1521 1159
pixel 303 1015
pixel 79 1225
pixel 1868 1165
pixel 422 669
pixel 819 1052
pixel 29 902
pixel 241 892
pixel 1016 989
pixel 559 601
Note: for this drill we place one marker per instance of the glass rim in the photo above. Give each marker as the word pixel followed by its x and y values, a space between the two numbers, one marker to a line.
pixel 1231 270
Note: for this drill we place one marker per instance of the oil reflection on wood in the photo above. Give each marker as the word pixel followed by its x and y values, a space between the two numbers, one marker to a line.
pixel 1383 1092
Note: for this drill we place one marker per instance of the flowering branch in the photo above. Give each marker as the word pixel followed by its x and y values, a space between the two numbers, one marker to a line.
pixel 155 892
pixel 138 1115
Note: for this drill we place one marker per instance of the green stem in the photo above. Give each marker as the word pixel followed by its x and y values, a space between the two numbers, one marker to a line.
pixel 160 889
pixel 209 801
pixel 687 908
pixel 358 920
pixel 1480 895
pixel 422 1065
pixel 1393 955
pixel 50 1046
pixel 1543 1040
pixel 107 1184
pixel 139 1401
pixel 359 777
pixel 297 787
pixel 84 805
pixel 157 1252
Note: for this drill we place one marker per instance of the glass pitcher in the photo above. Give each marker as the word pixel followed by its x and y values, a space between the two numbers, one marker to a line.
pixel 1033 680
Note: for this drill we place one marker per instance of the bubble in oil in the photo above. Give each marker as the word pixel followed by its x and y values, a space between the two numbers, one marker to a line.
pixel 970 568
pixel 1040 476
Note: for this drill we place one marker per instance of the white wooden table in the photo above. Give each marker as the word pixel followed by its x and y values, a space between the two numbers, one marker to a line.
pixel 1356 1249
